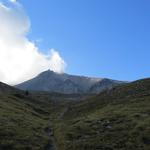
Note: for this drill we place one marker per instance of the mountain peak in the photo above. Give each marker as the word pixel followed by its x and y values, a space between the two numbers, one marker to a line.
pixel 64 83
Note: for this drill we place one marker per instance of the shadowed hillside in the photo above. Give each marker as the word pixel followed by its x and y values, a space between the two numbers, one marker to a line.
pixel 5 89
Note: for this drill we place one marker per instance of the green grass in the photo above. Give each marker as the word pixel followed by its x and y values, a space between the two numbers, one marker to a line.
pixel 25 117
pixel 22 123
pixel 114 120
pixel 117 119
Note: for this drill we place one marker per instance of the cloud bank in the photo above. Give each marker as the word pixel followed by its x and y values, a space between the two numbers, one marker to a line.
pixel 21 59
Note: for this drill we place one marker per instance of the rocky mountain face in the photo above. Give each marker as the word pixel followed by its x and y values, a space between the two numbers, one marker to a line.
pixel 64 83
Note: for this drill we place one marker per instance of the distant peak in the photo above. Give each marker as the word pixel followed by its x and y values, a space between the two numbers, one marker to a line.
pixel 49 72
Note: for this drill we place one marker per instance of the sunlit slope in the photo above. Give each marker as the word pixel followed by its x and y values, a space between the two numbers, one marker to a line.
pixel 117 119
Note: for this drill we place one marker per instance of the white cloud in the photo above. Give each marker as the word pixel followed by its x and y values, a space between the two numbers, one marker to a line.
pixel 13 1
pixel 57 64
pixel 20 59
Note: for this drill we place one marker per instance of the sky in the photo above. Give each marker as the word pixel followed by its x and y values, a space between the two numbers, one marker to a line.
pixel 101 38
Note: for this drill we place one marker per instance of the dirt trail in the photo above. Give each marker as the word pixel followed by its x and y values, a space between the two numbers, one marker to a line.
pixel 50 132
pixel 52 145
pixel 63 112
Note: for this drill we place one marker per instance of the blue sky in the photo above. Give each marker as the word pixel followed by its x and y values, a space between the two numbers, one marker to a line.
pixel 102 38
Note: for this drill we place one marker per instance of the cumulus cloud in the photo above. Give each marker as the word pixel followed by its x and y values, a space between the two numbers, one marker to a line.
pixel 21 59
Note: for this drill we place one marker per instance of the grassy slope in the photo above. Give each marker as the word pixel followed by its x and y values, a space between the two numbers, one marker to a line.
pixel 22 122
pixel 114 120
pixel 24 118
pixel 118 119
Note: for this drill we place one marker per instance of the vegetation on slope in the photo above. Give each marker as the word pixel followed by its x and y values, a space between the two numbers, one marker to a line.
pixel 26 118
pixel 118 119
pixel 22 123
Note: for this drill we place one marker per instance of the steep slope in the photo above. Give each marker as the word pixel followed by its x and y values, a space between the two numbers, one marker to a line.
pixel 117 119
pixel 64 83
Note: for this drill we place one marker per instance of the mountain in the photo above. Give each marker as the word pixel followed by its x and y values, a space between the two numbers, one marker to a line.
pixel 65 83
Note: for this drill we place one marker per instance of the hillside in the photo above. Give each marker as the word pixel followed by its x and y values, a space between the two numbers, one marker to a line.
pixel 64 83
pixel 22 123
pixel 117 119
pixel 5 89
pixel 24 119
